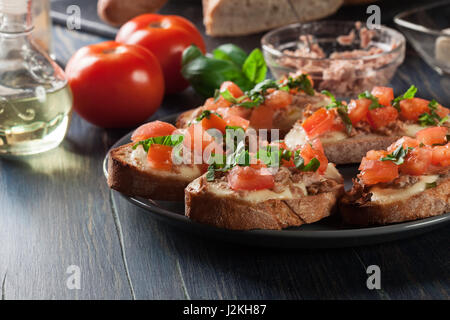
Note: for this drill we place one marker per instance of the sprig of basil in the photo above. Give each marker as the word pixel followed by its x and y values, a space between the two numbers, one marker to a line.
pixel 228 63
pixel 171 141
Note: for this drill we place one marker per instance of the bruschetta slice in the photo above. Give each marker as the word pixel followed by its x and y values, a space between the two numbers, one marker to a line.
pixel 270 105
pixel 304 188
pixel 409 181
pixel 373 121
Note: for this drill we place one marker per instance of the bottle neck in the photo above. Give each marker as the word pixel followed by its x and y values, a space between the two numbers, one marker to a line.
pixel 14 22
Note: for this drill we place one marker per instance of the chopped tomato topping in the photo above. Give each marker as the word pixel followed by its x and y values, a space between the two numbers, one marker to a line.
pixel 232 88
pixel 197 138
pixel 433 135
pixel 278 99
pixel 406 142
pixel 315 150
pixel 213 121
pixel 235 111
pixel 236 121
pixel 319 122
pixel 374 171
pixel 412 108
pixel 381 117
pixel 417 161
pixel 384 94
pixel 250 178
pixel 262 117
pixel 151 130
pixel 358 109
pixel 442 111
pixel 160 157
pixel 441 155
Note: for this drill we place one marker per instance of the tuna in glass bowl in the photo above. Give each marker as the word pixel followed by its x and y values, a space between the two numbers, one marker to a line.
pixel 343 57
pixel 428 30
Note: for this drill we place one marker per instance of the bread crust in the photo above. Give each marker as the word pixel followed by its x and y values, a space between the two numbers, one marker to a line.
pixel 430 203
pixel 352 150
pixel 133 180
pixel 231 213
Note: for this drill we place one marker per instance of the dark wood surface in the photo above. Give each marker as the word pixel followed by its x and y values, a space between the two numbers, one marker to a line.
pixel 56 210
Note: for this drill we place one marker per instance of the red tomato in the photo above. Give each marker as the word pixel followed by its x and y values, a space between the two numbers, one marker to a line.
pixel 384 94
pixel 160 157
pixel 278 99
pixel 214 122
pixel 433 135
pixel 236 121
pixel 197 138
pixel 152 129
pixel 262 117
pixel 374 171
pixel 417 161
pixel 412 108
pixel 315 150
pixel 319 122
pixel 250 178
pixel 232 88
pixel 166 37
pixel 442 111
pixel 405 142
pixel 358 109
pixel 115 85
pixel 441 155
pixel 381 117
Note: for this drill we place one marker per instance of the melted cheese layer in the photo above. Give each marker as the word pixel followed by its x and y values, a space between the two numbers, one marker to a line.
pixel 389 195
pixel 297 137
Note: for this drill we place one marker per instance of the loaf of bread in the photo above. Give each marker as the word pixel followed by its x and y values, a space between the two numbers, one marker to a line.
pixel 117 12
pixel 236 17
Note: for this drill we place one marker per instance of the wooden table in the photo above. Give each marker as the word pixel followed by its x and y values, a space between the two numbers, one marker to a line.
pixel 56 211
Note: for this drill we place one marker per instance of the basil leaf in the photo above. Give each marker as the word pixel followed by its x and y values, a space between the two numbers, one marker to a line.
pixel 301 82
pixel 299 163
pixel 398 156
pixel 409 94
pixel 341 109
pixel 171 141
pixel 254 67
pixel 367 95
pixel 430 185
pixel 230 52
pixel 312 166
pixel 206 114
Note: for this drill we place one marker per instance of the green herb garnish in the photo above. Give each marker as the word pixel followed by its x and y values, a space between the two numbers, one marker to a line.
pixel 409 94
pixel 206 114
pixel 341 109
pixel 398 156
pixel 171 141
pixel 430 185
pixel 367 95
pixel 432 118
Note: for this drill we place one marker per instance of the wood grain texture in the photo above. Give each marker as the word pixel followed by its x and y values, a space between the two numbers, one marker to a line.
pixel 56 210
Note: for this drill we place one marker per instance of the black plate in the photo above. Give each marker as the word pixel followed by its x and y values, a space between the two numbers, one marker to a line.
pixel 327 233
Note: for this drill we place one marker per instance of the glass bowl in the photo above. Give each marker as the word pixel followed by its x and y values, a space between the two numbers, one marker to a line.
pixel 424 29
pixel 336 60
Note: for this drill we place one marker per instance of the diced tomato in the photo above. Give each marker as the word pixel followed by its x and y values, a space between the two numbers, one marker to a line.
pixel 152 129
pixel 232 88
pixel 250 178
pixel 319 122
pixel 236 121
pixel 197 137
pixel 235 111
pixel 412 108
pixel 417 161
pixel 441 155
pixel 213 121
pixel 278 99
pixel 160 157
pixel 442 111
pixel 433 135
pixel 315 150
pixel 358 109
pixel 381 117
pixel 262 117
pixel 384 94
pixel 405 142
pixel 374 171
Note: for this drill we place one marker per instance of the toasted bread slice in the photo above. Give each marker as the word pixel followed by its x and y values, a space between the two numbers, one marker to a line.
pixel 428 203
pixel 339 148
pixel 129 173
pixel 208 203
